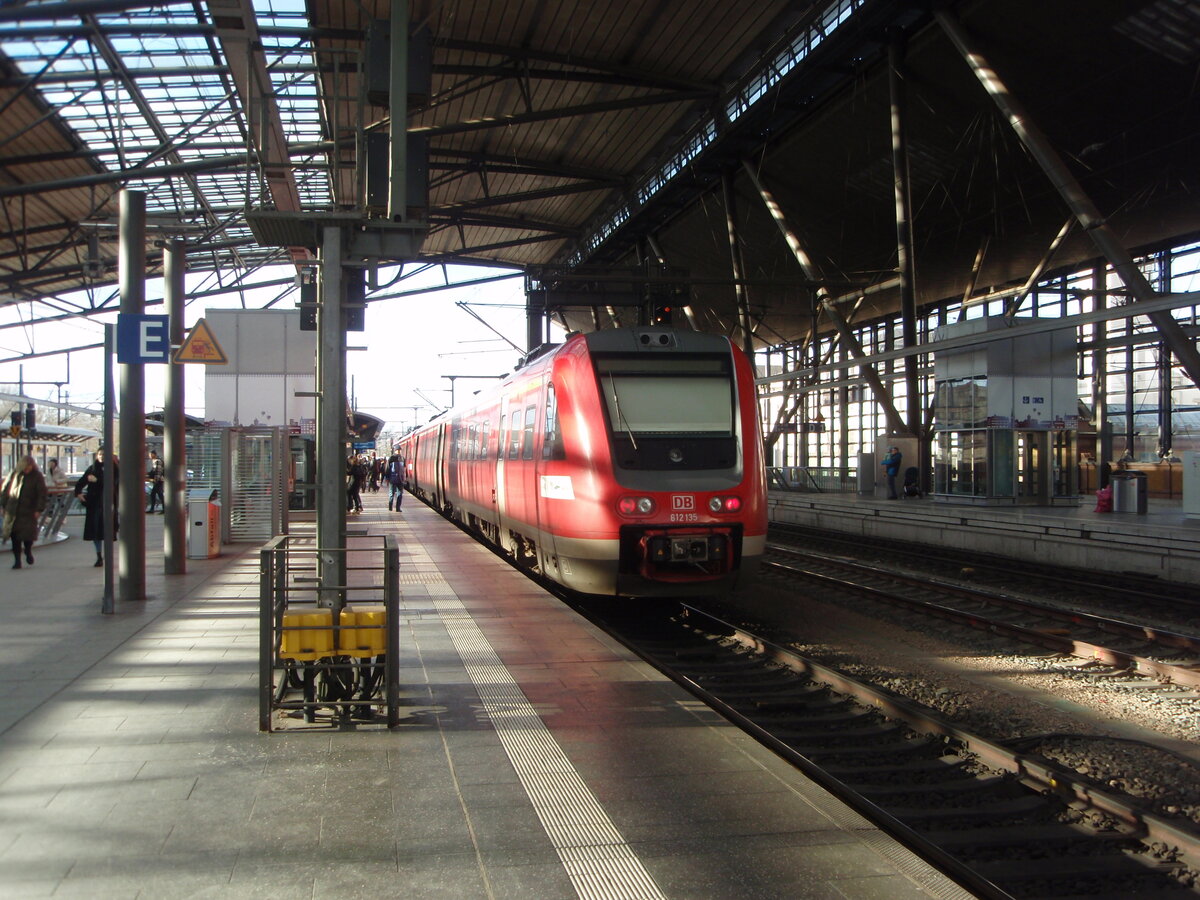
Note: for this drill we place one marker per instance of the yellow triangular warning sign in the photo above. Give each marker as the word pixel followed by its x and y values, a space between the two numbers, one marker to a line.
pixel 200 347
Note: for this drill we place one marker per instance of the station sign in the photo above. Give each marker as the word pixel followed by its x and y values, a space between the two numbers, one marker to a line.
pixel 363 445
pixel 143 339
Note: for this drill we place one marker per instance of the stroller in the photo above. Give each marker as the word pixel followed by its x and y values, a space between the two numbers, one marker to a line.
pixel 912 482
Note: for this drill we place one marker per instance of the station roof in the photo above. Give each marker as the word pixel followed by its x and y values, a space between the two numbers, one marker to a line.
pixel 568 133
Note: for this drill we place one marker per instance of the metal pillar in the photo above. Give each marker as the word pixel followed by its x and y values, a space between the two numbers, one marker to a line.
pixel 904 242
pixel 534 330
pixel 1072 192
pixel 174 434
pixel 398 109
pixel 1100 417
pixel 331 424
pixel 131 501
pixel 735 262
pixel 107 605
pixel 895 424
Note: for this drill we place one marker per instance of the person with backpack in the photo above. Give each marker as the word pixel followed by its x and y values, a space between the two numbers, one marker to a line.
pixel 397 477
pixel 891 468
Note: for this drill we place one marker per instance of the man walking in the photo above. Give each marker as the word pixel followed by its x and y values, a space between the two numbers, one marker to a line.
pixel 155 473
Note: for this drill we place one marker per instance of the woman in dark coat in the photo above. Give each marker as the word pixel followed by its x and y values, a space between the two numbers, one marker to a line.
pixel 23 498
pixel 90 489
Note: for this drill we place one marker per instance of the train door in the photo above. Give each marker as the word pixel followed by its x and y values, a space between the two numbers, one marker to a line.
pixel 439 465
pixel 500 493
pixel 544 453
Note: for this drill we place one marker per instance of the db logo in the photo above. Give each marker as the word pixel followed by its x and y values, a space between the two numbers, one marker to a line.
pixel 682 502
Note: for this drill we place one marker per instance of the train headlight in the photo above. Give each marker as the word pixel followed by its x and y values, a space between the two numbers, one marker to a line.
pixel 675 455
pixel 635 506
pixel 725 504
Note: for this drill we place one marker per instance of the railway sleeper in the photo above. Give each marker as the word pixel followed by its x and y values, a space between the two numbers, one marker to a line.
pixel 988 789
pixel 1021 806
pixel 879 756
pixel 785 703
pixel 1095 868
pixel 837 714
pixel 1055 838
pixel 840 740
pixel 936 771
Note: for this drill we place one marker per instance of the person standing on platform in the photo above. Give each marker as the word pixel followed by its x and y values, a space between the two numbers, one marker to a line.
pixel 396 477
pixel 90 490
pixel 23 498
pixel 353 485
pixel 891 468
pixel 155 474
pixel 56 476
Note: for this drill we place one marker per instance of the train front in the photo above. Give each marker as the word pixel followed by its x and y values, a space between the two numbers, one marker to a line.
pixel 685 492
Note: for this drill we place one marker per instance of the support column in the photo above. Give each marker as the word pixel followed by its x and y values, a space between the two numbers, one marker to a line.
pixel 534 328
pixel 1072 192
pixel 735 262
pixel 108 604
pixel 174 432
pixel 1100 418
pixel 904 244
pixel 883 397
pixel 131 503
pixel 398 110
pixel 331 424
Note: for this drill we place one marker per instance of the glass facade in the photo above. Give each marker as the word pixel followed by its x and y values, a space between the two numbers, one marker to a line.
pixel 1126 379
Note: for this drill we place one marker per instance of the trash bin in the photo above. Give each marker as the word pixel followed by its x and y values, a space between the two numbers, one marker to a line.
pixel 204 524
pixel 1130 492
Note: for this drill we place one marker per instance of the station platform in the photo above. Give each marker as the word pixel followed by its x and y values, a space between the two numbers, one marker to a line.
pixel 1161 542
pixel 536 757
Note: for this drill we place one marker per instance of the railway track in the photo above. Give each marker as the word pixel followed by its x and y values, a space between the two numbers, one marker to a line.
pixel 1154 653
pixel 1001 823
pixel 1127 594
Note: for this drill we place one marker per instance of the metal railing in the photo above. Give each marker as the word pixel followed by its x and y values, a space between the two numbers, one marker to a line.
pixel 807 479
pixel 58 503
pixel 332 665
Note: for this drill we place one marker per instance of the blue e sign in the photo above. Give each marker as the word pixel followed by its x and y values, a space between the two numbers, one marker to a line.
pixel 143 339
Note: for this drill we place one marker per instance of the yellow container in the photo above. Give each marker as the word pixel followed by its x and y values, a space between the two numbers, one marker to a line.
pixel 307 635
pixel 363 633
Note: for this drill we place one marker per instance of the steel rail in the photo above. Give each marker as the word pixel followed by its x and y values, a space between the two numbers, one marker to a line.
pixel 1147 826
pixel 1185 676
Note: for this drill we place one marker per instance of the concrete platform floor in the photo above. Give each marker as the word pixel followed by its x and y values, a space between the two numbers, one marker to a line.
pixel 536 760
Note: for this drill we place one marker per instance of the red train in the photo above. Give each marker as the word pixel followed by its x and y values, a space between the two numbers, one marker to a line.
pixel 625 462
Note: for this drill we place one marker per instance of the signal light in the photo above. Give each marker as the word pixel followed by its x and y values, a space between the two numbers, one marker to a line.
pixel 725 504
pixel 635 506
pixel 661 315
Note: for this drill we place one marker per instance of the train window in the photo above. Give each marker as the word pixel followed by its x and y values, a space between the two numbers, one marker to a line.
pixel 530 421
pixel 455 437
pixel 676 395
pixel 514 435
pixel 483 440
pixel 472 451
pixel 552 444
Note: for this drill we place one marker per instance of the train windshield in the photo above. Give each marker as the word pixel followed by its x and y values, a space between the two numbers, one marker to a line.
pixel 667 395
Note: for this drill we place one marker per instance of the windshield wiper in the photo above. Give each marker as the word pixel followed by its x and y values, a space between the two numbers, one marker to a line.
pixel 617 408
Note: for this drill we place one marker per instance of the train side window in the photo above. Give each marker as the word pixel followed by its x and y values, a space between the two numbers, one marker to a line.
pixel 514 435
pixel 552 444
pixel 472 453
pixel 483 440
pixel 455 437
pixel 530 421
